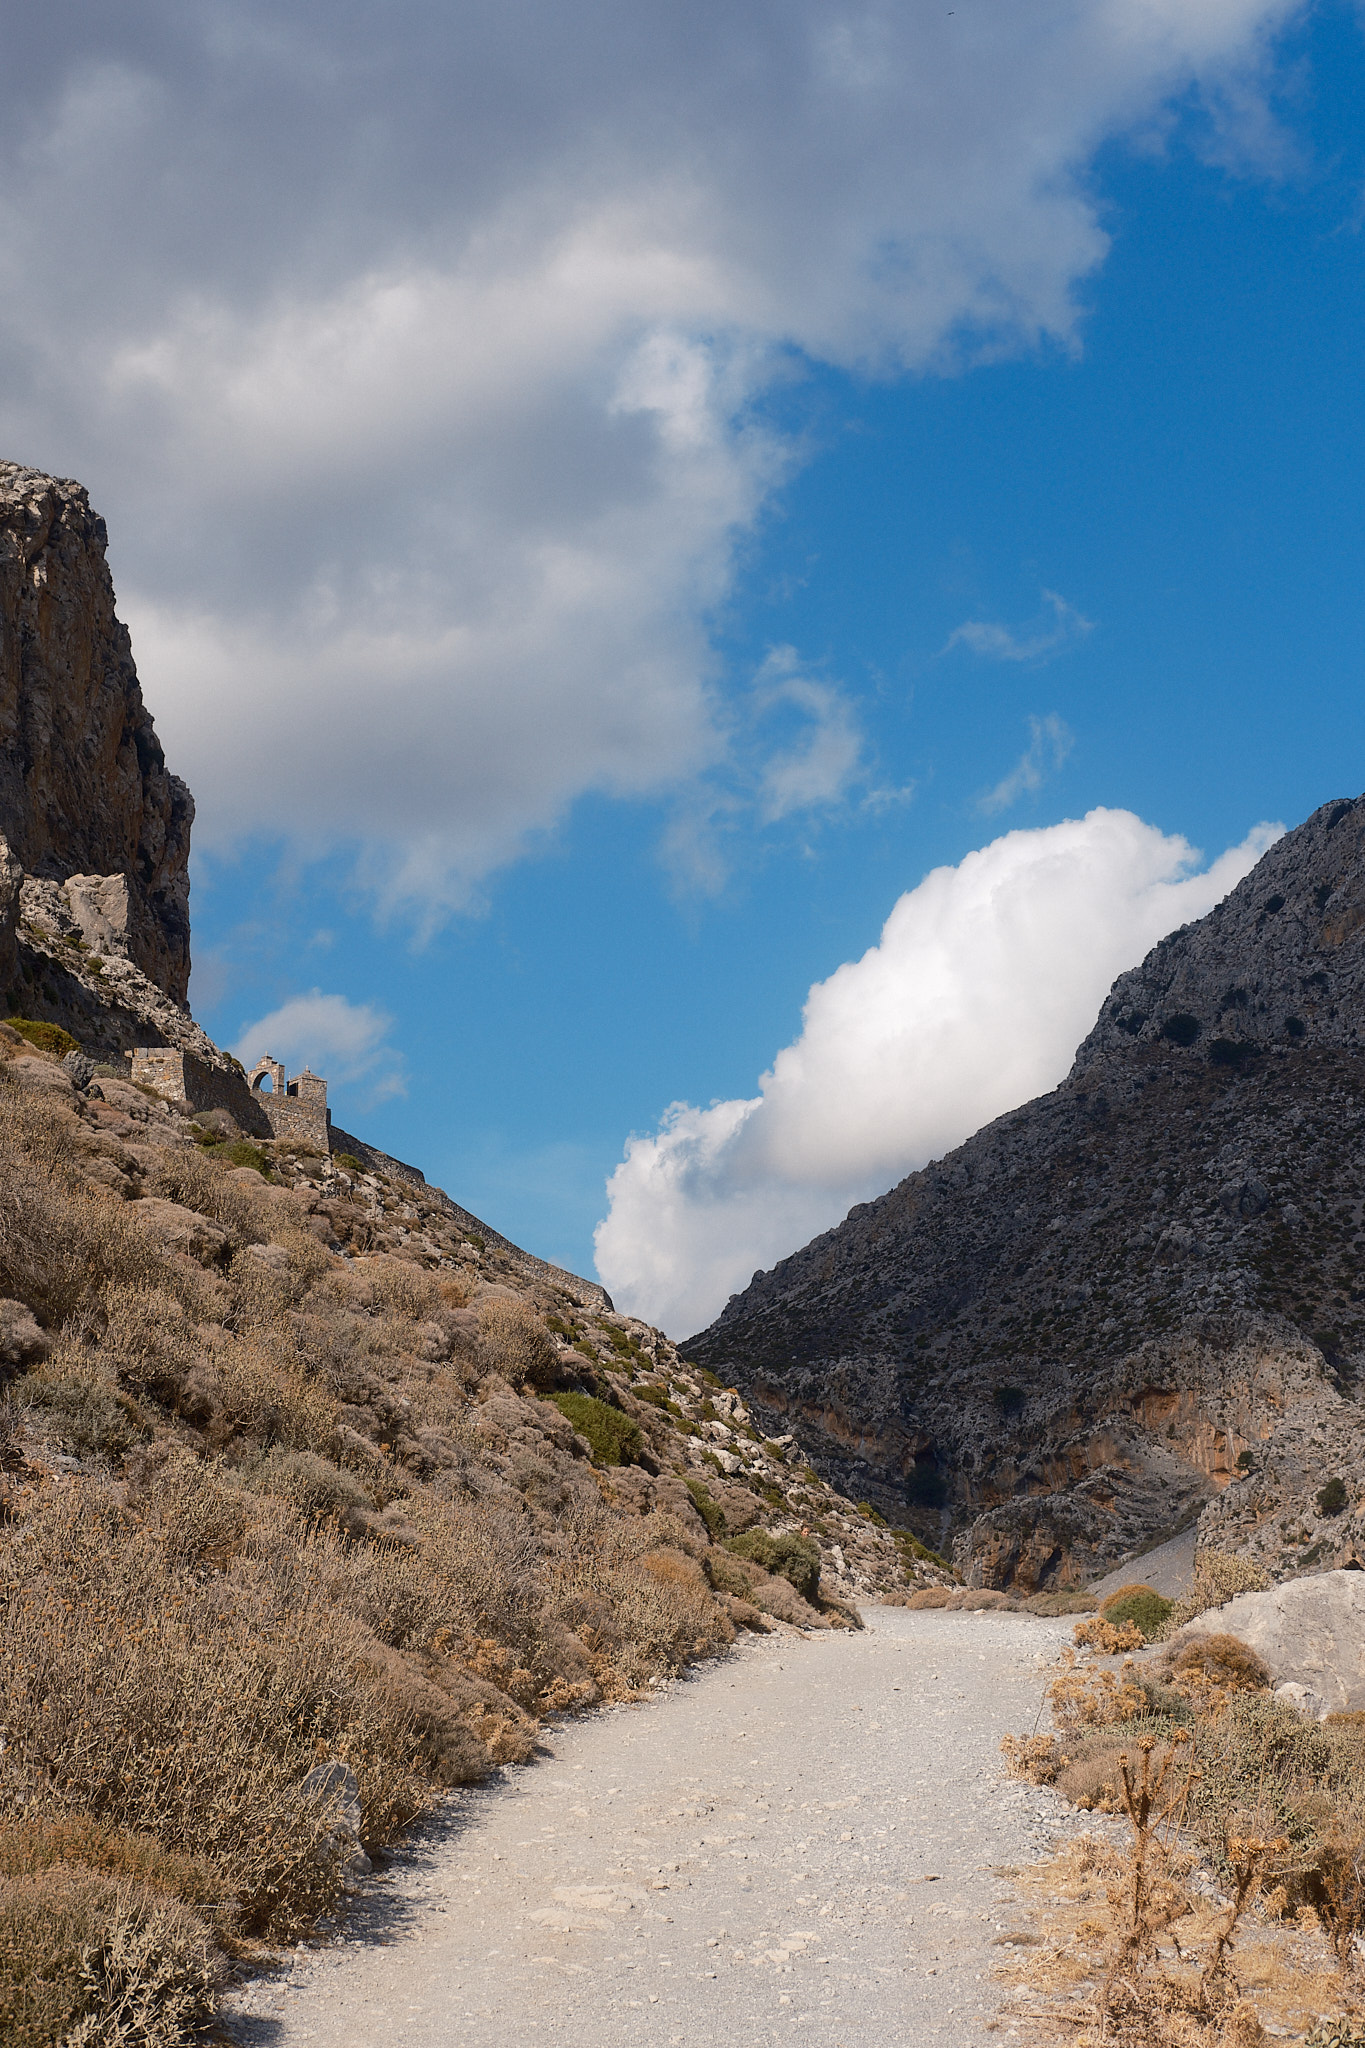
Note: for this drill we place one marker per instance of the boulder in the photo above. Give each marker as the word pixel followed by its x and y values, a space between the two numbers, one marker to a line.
pixel 335 1789
pixel 1310 1632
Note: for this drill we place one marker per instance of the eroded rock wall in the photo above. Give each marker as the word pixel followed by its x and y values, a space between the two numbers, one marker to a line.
pixel 84 787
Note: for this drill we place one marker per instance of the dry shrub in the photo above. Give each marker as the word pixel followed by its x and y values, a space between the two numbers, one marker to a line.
pixel 1218 1578
pixel 1106 1637
pixel 62 1244
pixel 263 1396
pixel 1082 1698
pixel 404 1289
pixel 133 1690
pixel 514 1342
pixel 318 1489
pixel 41 1841
pixel 92 1961
pixel 1207 1669
pixel 639 1613
pixel 196 1512
pixel 182 1174
pixel 728 1574
pixel 931 1596
pixel 67 1399
pixel 1036 1758
pixel 149 1342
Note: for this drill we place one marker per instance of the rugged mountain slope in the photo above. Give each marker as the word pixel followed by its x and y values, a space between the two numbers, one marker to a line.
pixel 1137 1297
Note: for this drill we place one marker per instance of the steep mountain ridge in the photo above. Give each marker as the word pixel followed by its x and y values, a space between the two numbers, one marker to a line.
pixel 1137 1298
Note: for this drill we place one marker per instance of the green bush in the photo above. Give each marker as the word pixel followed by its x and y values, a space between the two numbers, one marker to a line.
pixel 909 1542
pixel 47 1037
pixel 613 1437
pixel 708 1507
pixel 1332 1497
pixel 241 1152
pixel 1142 1605
pixel 349 1163
pixel 787 1557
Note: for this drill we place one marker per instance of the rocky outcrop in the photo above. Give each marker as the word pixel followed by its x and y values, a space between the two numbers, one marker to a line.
pixel 1310 1634
pixel 85 795
pixel 1140 1293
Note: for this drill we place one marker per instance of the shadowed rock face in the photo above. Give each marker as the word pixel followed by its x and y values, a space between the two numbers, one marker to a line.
pixel 1139 1294
pixel 84 788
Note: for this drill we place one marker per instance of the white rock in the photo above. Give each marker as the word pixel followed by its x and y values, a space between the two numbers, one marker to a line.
pixel 1311 1633
pixel 1303 1699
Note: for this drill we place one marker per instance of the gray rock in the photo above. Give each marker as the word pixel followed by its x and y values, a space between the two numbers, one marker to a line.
pixel 1303 1699
pixel 1310 1632
pixel 81 1069
pixel 11 884
pixel 336 1790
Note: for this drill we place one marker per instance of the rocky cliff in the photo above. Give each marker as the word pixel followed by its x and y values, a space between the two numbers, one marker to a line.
pixel 1137 1299
pixel 87 806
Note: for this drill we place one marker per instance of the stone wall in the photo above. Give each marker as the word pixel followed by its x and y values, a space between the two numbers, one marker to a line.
pixel 179 1077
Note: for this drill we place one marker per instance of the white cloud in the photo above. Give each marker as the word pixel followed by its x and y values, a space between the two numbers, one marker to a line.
pixel 345 1042
pixel 413 354
pixel 1050 741
pixel 1001 643
pixel 985 979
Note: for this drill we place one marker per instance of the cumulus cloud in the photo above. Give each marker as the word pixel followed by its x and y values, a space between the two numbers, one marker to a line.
pixel 1002 643
pixel 344 1041
pixel 415 355
pixel 1050 741
pixel 985 979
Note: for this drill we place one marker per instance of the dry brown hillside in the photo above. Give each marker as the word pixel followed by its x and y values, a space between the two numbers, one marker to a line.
pixel 297 1472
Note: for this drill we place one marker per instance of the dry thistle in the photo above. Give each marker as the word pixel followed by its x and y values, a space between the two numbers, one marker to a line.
pixel 1107 1638
pixel 1250 1856
pixel 1341 1865
pixel 1149 1896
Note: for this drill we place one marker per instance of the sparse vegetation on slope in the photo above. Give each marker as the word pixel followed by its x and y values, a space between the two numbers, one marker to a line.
pixel 293 1474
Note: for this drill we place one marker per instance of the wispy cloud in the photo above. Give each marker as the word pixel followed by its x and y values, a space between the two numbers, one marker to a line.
pixel 1047 635
pixel 822 757
pixel 795 746
pixel 1050 741
pixel 345 1041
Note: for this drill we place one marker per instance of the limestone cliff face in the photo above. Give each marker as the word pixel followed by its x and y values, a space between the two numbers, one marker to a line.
pixel 1139 1297
pixel 84 788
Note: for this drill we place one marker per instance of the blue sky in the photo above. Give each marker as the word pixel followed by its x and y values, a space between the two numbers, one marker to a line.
pixel 892 477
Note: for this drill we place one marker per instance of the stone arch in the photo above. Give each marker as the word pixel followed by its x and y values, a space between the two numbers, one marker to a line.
pixel 267 1077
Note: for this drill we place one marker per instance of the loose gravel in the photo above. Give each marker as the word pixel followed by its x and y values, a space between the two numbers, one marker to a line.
pixel 801 1843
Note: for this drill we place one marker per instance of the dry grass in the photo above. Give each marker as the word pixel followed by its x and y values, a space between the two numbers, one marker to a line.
pixel 1218 1578
pixel 1202 1763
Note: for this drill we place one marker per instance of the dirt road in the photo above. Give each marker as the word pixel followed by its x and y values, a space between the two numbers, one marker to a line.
pixel 799 1844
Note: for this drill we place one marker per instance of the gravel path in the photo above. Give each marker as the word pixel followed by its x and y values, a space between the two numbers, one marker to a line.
pixel 796 1844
